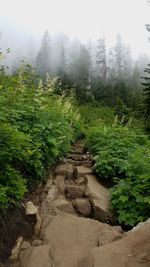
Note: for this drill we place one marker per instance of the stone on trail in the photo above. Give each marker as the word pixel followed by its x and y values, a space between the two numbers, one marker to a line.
pixel 83 206
pixel 76 157
pixel 65 170
pixel 86 163
pixel 75 191
pixel 62 206
pixel 81 171
pixel 99 197
pixel 132 251
pixel 71 237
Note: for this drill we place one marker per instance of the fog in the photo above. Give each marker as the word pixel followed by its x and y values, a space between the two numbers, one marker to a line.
pixel 21 21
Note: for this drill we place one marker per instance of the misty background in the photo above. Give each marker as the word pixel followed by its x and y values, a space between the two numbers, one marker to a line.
pixel 89 45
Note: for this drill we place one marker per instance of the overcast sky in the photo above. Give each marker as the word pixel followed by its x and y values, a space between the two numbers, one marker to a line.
pixel 80 18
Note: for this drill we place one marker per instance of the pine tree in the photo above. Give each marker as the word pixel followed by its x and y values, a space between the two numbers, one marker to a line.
pixel 101 58
pixel 80 73
pixel 43 59
pixel 146 92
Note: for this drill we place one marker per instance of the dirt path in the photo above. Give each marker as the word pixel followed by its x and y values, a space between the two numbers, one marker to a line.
pixel 72 227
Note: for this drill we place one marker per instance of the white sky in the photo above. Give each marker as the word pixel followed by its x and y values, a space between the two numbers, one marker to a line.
pixel 83 19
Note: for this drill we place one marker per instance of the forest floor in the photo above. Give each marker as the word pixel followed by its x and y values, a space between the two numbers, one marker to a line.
pixel 74 227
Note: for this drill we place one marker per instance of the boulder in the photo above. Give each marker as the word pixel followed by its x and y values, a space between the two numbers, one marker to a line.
pixel 99 197
pixel 70 238
pixel 65 170
pixel 75 191
pixel 133 251
pixel 62 206
pixel 83 206
pixel 70 231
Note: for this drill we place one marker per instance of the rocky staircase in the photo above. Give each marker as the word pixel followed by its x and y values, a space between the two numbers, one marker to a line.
pixel 72 227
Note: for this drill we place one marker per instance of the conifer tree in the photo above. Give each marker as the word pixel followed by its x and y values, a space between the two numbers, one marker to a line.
pixel 43 59
pixel 146 92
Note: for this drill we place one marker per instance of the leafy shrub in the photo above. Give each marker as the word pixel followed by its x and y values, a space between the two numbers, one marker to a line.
pixel 123 155
pixel 131 199
pixel 35 131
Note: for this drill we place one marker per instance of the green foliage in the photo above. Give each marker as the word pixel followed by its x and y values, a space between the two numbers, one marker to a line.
pixel 122 155
pixel 146 92
pixel 36 129
pixel 131 199
pixel 94 114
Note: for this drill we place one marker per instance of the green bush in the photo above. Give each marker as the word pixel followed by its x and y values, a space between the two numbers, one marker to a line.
pixel 131 199
pixel 36 129
pixel 122 155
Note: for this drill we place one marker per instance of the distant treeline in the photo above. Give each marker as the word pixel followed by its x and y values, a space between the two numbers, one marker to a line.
pixel 91 70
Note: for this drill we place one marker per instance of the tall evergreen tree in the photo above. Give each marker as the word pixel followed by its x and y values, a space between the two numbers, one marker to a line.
pixel 80 73
pixel 43 59
pixel 101 58
pixel 146 92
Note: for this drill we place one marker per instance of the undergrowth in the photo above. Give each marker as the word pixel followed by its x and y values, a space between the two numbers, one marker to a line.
pixel 122 155
pixel 36 129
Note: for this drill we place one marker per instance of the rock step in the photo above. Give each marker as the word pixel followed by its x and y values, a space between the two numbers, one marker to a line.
pixel 72 241
pixel 77 157
pixel 86 163
pixel 66 242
